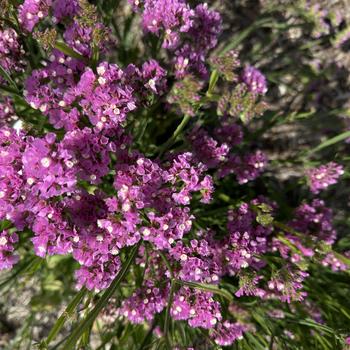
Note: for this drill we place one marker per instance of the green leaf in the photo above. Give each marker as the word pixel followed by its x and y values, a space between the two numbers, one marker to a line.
pixel 63 47
pixel 212 82
pixel 341 257
pixel 5 224
pixel 92 315
pixel 330 142
pixel 245 33
pixel 26 266
pixel 207 288
pixel 7 77
pixel 63 318
pixel 167 314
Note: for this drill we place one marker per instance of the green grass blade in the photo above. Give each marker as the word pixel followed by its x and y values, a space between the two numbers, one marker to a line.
pixel 330 142
pixel 61 46
pixel 92 315
pixel 7 77
pixel 167 315
pixel 207 288
pixel 64 317
pixel 245 33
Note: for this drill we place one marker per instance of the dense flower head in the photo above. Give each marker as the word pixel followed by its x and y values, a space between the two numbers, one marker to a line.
pixel 247 238
pixel 336 264
pixel 52 90
pixel 86 153
pixel 11 52
pixel 52 234
pixel 33 11
pixel 287 285
pixel 170 16
pixel 315 220
pixel 8 115
pixel 255 80
pixel 323 176
pixel 227 332
pixel 12 146
pixel 105 97
pixel 62 9
pixel 46 170
pixel 144 303
pixel 7 256
pixel 229 132
pixel 207 149
pixel 246 168
pixel 82 38
pixel 189 33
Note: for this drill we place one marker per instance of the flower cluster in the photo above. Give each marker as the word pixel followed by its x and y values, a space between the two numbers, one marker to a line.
pixel 11 52
pixel 33 11
pixel 219 152
pixel 7 113
pixel 255 80
pixel 105 98
pixel 7 258
pixel 188 33
pixel 323 176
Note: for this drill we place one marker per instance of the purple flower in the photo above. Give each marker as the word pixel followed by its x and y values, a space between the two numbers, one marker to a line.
pixel 11 52
pixel 7 113
pixel 323 176
pixel 46 170
pixel 315 220
pixel 33 11
pixel 255 80
pixel 170 16
pixel 64 9
pixel 7 256
pixel 246 168
pixel 206 149
pixel 144 303
pixel 227 332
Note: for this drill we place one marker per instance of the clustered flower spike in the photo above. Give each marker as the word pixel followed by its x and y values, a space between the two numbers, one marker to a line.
pixel 187 33
pixel 255 80
pixel 8 115
pixel 33 11
pixel 11 52
pixel 325 175
pixel 7 257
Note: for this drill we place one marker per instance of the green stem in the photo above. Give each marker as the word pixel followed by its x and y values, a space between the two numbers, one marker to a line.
pixel 90 318
pixel 207 288
pixel 329 142
pixel 63 318
pixel 63 47
pixel 7 76
pixel 166 262
pixel 167 314
pixel 175 135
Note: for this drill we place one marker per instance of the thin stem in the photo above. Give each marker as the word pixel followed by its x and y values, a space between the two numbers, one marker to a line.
pixel 64 317
pixel 175 135
pixel 90 318
pixel 63 47
pixel 166 262
pixel 167 314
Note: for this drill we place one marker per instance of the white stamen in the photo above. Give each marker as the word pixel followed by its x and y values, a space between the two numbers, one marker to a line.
pixel 183 257
pixel 102 81
pixel 45 162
